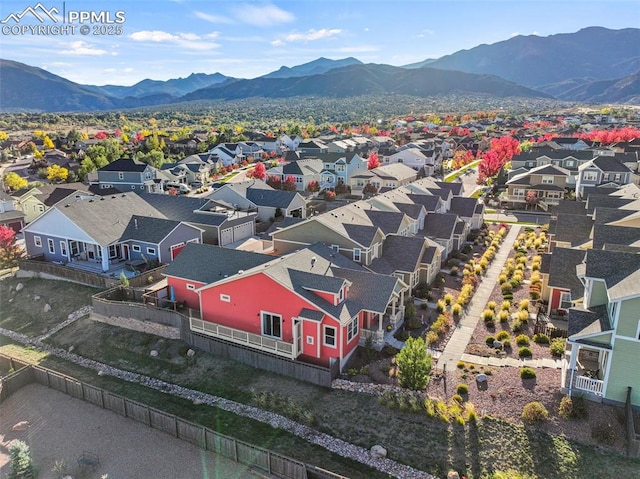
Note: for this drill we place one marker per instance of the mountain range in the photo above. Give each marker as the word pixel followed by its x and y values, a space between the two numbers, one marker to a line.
pixel 594 64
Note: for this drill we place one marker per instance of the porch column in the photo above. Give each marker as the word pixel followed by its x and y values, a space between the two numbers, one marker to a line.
pixel 572 365
pixel 105 258
pixel 380 322
pixel 393 307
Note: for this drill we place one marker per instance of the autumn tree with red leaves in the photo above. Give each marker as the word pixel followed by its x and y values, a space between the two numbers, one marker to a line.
pixel 373 162
pixel 274 182
pixel 501 151
pixel 615 135
pixel 289 183
pixel 259 171
pixel 10 251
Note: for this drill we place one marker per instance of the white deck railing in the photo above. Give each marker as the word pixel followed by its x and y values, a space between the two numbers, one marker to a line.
pixel 255 341
pixel 593 386
pixel 376 335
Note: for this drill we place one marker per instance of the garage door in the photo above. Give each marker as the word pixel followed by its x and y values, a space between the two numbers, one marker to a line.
pixel 242 231
pixel 226 236
pixel 175 250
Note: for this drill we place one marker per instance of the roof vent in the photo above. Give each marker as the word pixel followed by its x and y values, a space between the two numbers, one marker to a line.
pixel 313 261
pixel 240 271
pixel 102 199
pixel 90 201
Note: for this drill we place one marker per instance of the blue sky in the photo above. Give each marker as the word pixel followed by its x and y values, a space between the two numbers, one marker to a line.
pixel 164 39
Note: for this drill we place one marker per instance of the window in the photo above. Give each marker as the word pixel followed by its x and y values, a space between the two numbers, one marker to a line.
pixel 356 254
pixel 151 251
pixel 352 329
pixel 135 247
pixel 569 164
pixel 605 177
pixel 225 297
pixel 63 248
pixel 37 241
pixel 547 180
pixel 75 248
pixel 340 168
pixel 330 336
pixel 52 247
pixel 617 177
pixel 113 251
pixel 120 175
pixel 309 339
pixel 335 248
pixel 272 325
pixel 565 300
pixel 590 176
pixel 191 287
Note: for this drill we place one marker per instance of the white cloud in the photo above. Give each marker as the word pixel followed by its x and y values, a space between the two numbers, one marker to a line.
pixel 309 36
pixel 128 70
pixel 514 34
pixel 212 18
pixel 189 41
pixel 426 32
pixel 83 48
pixel 153 36
pixel 262 15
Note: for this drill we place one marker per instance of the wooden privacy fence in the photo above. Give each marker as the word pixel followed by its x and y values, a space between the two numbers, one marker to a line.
pixel 239 451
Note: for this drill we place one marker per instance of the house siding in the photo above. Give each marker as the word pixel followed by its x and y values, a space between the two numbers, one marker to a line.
pixel 628 319
pixel 308 233
pixel 182 293
pixel 624 371
pixel 181 234
pixel 598 294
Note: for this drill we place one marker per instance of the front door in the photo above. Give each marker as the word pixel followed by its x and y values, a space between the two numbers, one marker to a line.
pixel 125 251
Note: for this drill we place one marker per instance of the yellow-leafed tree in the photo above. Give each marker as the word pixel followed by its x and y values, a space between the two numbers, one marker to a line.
pixel 57 173
pixel 14 182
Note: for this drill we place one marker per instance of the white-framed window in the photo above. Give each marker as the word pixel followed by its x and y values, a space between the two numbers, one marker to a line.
pixel 272 325
pixel 52 246
pixel 225 297
pixel 569 163
pixel 340 168
pixel 547 180
pixel 605 177
pixel 191 287
pixel 120 175
pixel 565 300
pixel 113 251
pixel 518 192
pixel 37 241
pixel 341 294
pixel 310 340
pixel 151 250
pixel 329 336
pixel 352 329
pixel 75 248
pixel 617 177
pixel 135 248
pixel 357 254
pixel 63 248
pixel 335 248
pixel 589 176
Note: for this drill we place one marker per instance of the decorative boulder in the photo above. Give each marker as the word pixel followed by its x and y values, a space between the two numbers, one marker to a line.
pixel 190 353
pixel 19 286
pixel 36 297
pixel 497 344
pixel 481 378
pixel 47 308
pixel 153 353
pixel 453 475
pixel 378 451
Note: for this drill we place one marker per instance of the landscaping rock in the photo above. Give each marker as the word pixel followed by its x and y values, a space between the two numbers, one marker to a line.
pixel 481 378
pixel 190 353
pixel 453 475
pixel 47 308
pixel 497 344
pixel 153 353
pixel 36 297
pixel 378 451
pixel 19 286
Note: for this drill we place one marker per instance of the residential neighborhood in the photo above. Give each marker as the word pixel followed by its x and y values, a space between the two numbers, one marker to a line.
pixel 319 260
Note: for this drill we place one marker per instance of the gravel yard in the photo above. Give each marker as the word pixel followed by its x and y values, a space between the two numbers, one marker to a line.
pixel 62 427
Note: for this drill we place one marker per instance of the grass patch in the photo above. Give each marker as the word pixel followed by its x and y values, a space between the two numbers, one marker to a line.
pixel 453 176
pixel 23 311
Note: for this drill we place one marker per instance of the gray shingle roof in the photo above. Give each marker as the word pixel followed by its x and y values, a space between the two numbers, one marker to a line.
pixel 464 207
pixel 125 164
pixel 388 221
pixel 588 321
pixel 361 234
pixel 270 198
pixel 106 218
pixel 572 207
pixel 607 201
pixel 183 208
pixel 399 253
pixel 610 163
pixel 439 226
pixel 562 270
pixel 620 235
pixel 573 229
pixel 208 264
pixel 619 270
pixel 150 230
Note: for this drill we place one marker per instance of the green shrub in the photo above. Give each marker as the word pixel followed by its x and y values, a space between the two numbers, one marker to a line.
pixel 448 299
pixel 522 340
pixel 461 364
pixel 457 398
pixel 523 316
pixel 527 373
pixel 503 316
pixel 20 461
pixel 462 389
pixel 506 288
pixel 534 412
pixel 557 347
pixel 516 327
pixel 505 306
pixel 540 338
pixel 604 433
pixel 490 340
pixel 525 352
pixel 572 408
pixel 506 344
pixel 456 309
pixel 524 305
pixel 502 335
pixel 488 315
pixel 492 305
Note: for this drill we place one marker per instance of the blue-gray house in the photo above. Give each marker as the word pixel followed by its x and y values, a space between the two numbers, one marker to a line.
pixel 100 234
pixel 129 175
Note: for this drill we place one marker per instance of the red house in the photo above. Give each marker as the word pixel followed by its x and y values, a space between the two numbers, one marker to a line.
pixel 559 274
pixel 306 305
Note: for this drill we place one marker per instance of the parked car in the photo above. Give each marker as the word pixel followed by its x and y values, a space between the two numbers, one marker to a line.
pixel 196 184
pixel 181 187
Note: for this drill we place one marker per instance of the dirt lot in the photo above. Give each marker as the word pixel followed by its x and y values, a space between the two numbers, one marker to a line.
pixel 62 427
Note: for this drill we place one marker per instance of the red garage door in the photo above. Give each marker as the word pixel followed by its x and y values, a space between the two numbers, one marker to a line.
pixel 175 250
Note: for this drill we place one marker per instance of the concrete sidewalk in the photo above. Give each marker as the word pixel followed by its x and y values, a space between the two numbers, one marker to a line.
pixel 457 344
